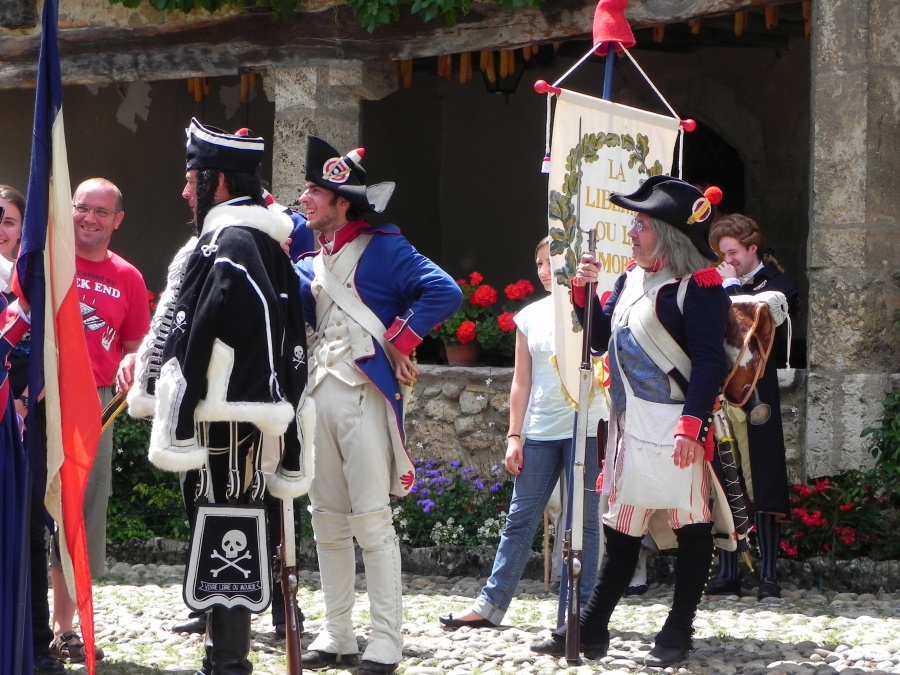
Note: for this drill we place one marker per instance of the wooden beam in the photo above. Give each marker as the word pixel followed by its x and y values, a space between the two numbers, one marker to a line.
pixel 253 41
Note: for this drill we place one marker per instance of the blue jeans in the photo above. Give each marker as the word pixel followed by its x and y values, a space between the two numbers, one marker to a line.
pixel 544 462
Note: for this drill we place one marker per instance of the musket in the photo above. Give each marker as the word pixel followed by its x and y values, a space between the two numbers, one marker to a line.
pixel 287 555
pixel 573 547
pixel 111 410
pixel 737 502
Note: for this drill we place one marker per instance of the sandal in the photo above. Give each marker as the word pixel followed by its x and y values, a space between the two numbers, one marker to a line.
pixel 69 647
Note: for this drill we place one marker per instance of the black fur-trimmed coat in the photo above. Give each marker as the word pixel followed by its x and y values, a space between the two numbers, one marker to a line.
pixel 236 347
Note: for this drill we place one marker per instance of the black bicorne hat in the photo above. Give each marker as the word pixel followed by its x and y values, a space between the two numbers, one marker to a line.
pixel 344 176
pixel 212 148
pixel 679 204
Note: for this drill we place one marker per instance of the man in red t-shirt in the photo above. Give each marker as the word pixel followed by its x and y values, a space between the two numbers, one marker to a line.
pixel 116 316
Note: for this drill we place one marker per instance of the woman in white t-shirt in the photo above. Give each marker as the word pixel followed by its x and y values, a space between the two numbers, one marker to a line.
pixel 538 447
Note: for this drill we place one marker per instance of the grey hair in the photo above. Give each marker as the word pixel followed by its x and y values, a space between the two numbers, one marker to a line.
pixel 679 253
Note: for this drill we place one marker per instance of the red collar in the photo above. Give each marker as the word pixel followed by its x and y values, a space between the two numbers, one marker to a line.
pixel 345 235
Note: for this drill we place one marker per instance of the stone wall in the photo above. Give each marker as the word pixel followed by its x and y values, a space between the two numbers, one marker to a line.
pixel 463 414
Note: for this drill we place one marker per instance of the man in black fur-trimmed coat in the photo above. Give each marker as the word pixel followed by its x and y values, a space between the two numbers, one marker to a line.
pixel 226 356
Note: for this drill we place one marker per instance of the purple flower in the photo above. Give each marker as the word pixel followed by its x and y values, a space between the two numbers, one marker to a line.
pixel 468 470
pixel 424 491
pixel 496 487
pixel 454 463
pixel 478 484
pixel 426 505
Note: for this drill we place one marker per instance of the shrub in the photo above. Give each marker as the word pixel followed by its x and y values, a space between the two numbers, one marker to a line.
pixel 146 501
pixel 453 504
pixel 841 517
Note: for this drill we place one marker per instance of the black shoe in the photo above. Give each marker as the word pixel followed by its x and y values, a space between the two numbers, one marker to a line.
pixel 47 665
pixel 281 630
pixel 195 624
pixel 451 623
pixel 317 660
pixel 373 667
pixel 660 657
pixel 640 589
pixel 768 588
pixel 555 645
pixel 719 586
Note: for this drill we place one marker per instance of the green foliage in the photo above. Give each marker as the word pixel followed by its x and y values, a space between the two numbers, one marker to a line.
pixel 453 504
pixel 841 517
pixel 884 443
pixel 146 501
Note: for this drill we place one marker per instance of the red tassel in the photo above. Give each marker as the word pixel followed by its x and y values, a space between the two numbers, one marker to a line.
pixel 709 447
pixel 707 277
pixel 713 194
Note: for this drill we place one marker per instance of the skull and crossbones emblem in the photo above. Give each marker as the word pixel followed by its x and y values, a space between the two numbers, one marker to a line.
pixel 180 321
pixel 233 543
pixel 299 356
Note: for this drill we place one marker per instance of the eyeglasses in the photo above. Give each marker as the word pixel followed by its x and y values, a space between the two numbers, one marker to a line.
pixel 638 226
pixel 84 209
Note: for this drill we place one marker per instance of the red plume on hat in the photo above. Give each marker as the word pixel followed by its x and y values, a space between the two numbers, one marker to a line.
pixel 610 25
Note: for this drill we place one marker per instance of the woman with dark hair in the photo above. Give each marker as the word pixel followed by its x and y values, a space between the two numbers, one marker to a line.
pixel 663 326
pixel 13 203
pixel 538 446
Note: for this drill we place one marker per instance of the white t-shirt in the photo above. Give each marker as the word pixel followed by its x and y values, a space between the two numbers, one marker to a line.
pixel 548 417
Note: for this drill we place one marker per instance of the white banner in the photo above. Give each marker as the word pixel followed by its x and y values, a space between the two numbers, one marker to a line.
pixel 598 147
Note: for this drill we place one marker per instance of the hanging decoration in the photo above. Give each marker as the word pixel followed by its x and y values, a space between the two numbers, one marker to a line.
pixel 248 86
pixel 198 87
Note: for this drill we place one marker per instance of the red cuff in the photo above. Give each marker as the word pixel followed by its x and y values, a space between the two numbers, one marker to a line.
pixel 15 328
pixel 689 426
pixel 402 336
pixel 693 427
pixel 579 294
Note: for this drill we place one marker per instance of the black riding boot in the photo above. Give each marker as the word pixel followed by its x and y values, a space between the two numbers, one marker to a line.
pixel 229 633
pixel 692 564
pixel 206 668
pixel 622 553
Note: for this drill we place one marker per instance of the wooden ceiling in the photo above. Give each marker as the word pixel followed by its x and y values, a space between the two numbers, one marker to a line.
pixel 252 41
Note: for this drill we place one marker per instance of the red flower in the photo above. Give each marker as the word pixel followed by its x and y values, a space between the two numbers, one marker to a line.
pixel 519 290
pixel 790 551
pixel 476 278
pixel 505 322
pixel 466 332
pixel 845 507
pixel 822 484
pixel 802 490
pixel 484 296
pixel 462 283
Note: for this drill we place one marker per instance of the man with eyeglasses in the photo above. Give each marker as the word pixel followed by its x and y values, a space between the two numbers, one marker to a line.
pixel 116 315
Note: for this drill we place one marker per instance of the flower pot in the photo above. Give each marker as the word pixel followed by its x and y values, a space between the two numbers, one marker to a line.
pixel 462 355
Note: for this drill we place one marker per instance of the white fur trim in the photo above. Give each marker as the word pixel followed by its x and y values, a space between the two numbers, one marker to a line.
pixel 277 225
pixel 166 452
pixel 288 486
pixel 270 418
pixel 140 403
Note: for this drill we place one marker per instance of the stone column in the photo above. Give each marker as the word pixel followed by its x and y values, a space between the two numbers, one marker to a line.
pixel 854 267
pixel 322 101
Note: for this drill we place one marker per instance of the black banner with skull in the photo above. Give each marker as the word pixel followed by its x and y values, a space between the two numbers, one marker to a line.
pixel 229 565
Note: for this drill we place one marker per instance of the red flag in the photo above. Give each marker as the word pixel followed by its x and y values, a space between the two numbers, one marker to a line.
pixel 59 364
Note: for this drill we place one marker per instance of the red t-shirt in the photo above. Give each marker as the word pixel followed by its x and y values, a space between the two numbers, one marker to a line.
pixel 114 309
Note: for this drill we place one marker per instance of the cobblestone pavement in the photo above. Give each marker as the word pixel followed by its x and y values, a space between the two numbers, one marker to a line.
pixel 804 632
